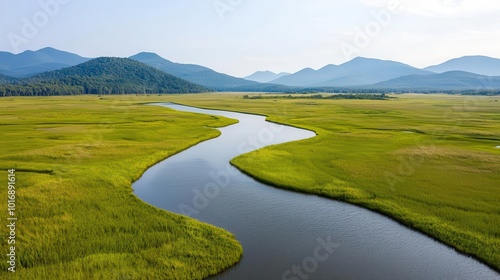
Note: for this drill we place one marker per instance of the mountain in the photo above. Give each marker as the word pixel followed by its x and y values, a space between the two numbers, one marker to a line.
pixel 30 63
pixel 307 76
pixel 448 81
pixel 481 65
pixel 193 73
pixel 265 76
pixel 365 71
pixel 357 72
pixel 105 75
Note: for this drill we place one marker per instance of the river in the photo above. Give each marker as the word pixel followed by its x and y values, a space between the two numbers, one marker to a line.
pixel 288 235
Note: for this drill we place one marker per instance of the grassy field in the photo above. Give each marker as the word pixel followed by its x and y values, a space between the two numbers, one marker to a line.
pixel 430 162
pixel 75 160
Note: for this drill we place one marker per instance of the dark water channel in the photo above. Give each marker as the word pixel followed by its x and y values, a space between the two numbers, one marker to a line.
pixel 287 235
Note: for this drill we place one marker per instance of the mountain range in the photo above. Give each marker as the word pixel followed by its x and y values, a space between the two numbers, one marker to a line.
pixel 30 63
pixel 265 76
pixel 359 74
pixel 481 65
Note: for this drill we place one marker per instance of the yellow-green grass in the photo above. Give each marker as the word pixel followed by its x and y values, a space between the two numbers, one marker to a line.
pixel 76 158
pixel 428 161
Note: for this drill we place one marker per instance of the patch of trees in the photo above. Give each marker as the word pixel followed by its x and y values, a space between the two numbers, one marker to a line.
pixel 382 96
pixel 6 79
pixel 367 90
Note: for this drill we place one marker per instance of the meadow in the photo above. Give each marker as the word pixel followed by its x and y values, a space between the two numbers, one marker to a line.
pixel 430 162
pixel 75 159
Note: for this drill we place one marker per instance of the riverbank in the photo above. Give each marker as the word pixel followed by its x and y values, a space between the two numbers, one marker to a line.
pixel 77 218
pixel 445 174
pixel 442 180
pixel 280 227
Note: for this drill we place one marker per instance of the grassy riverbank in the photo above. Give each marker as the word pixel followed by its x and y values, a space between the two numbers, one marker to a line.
pixel 430 162
pixel 76 158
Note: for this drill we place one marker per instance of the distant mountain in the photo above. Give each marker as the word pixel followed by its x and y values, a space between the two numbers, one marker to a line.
pixel 104 75
pixel 265 76
pixel 307 77
pixel 194 73
pixel 357 72
pixel 453 80
pixel 365 71
pixel 30 63
pixel 481 65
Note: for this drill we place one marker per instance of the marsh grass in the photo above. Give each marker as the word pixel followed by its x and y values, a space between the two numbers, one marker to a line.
pixel 76 158
pixel 428 161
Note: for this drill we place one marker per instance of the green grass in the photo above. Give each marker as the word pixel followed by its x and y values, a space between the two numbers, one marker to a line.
pixel 76 158
pixel 428 161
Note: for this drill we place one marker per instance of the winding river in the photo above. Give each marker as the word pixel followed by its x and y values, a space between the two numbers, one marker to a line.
pixel 288 235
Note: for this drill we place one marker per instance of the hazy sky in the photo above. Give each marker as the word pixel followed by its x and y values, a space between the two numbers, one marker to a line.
pixel 239 37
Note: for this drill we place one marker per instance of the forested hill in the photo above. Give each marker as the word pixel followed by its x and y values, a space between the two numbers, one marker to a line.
pixel 105 75
pixel 6 79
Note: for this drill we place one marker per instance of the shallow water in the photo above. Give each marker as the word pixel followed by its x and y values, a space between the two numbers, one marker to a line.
pixel 288 235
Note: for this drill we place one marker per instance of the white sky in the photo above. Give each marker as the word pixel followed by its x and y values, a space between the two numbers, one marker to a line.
pixel 239 37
